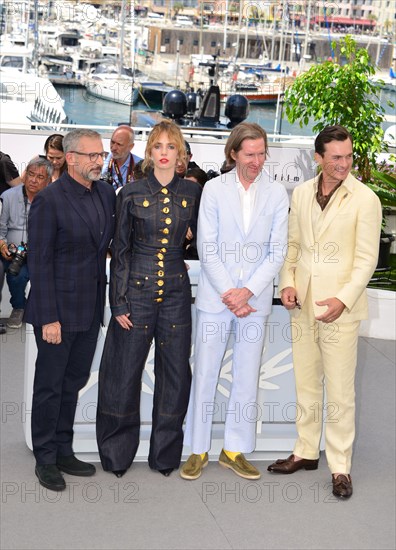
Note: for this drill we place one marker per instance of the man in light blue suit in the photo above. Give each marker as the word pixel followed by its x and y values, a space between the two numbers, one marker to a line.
pixel 242 232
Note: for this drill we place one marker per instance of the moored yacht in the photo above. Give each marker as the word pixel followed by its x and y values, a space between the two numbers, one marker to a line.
pixel 113 87
pixel 26 97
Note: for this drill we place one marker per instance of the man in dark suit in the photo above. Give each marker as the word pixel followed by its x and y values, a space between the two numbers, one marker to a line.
pixel 70 228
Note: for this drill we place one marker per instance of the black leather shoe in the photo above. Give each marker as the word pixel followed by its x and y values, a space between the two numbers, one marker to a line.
pixel 119 473
pixel 71 465
pixel 289 465
pixel 50 477
pixel 342 486
pixel 3 328
pixel 167 472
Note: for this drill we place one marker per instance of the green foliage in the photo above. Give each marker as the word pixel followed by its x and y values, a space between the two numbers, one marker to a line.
pixel 178 7
pixel 331 93
pixel 383 183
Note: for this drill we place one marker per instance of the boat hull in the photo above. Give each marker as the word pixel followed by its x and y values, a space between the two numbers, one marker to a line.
pixel 155 92
pixel 27 98
pixel 118 91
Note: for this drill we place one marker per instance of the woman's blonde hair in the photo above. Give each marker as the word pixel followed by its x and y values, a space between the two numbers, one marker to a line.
pixel 174 135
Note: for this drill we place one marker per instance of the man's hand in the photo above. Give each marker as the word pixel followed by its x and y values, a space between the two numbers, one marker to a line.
pixel 235 298
pixel 244 311
pixel 289 297
pixel 334 309
pixel 124 321
pixel 4 251
pixel 52 333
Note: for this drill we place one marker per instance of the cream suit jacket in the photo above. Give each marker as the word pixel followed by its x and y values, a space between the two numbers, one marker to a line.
pixel 341 260
pixel 225 249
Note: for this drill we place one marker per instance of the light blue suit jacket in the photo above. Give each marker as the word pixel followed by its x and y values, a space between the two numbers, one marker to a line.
pixel 225 248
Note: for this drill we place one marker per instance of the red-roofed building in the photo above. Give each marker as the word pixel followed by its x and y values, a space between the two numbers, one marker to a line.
pixel 323 21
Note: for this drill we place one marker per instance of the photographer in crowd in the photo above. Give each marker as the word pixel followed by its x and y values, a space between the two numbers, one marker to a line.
pixel 118 167
pixel 9 175
pixel 14 233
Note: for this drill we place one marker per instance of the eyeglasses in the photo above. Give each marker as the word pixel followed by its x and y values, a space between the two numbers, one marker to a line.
pixel 92 156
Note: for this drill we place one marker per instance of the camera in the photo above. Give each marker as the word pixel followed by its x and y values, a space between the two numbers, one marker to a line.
pixel 212 174
pixel 19 254
pixel 107 177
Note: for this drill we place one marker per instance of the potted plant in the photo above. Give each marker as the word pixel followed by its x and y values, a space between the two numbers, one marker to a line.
pixel 332 93
pixel 383 183
pixel 343 93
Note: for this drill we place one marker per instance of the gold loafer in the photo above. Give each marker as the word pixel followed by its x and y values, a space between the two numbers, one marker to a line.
pixel 240 466
pixel 192 469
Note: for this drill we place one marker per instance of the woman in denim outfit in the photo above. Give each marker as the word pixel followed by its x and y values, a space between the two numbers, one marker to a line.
pixel 150 298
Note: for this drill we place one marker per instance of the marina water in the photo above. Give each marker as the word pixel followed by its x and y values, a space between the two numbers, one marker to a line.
pixel 83 108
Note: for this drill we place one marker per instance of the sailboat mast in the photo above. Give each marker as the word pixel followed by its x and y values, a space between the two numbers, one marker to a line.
pixel 133 32
pixel 285 23
pixel 36 40
pixel 122 37
pixel 238 30
pixel 225 27
pixel 307 30
pixel 26 16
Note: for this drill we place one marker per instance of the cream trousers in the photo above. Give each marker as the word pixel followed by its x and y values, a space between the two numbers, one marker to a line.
pixel 324 356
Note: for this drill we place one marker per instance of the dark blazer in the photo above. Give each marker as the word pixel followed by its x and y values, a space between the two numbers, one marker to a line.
pixel 66 257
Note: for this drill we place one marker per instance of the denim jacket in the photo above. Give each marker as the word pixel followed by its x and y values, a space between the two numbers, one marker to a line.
pixel 151 225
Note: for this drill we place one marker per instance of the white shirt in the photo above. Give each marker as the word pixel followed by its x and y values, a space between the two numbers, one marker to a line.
pixel 247 198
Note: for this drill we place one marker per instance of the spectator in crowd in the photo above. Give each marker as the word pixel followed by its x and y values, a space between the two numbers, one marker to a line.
pixel 9 177
pixel 53 148
pixel 190 244
pixel 14 240
pixel 182 168
pixel 119 166
pixel 196 174
pixel 3 328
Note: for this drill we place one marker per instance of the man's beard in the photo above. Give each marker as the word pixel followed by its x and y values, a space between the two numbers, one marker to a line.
pixel 93 174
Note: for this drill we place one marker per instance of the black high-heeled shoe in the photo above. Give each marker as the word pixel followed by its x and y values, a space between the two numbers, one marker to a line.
pixel 166 472
pixel 119 473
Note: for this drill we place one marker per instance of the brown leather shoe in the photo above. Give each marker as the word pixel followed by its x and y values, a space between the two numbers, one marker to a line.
pixel 342 486
pixel 289 465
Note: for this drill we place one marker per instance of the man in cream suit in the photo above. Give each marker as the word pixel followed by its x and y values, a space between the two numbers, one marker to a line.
pixel 242 230
pixel 334 231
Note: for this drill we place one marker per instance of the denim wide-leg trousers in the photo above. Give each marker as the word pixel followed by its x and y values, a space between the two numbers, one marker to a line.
pixel 168 323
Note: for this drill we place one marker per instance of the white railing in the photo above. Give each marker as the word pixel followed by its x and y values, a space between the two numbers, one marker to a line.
pixel 143 131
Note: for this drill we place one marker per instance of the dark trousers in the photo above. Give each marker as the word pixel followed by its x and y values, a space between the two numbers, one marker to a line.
pixel 120 378
pixel 61 372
